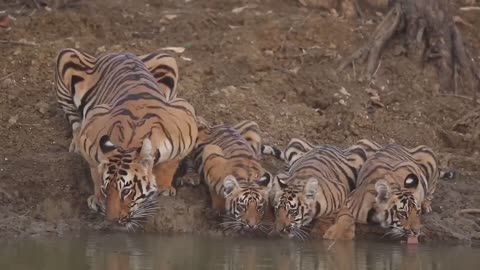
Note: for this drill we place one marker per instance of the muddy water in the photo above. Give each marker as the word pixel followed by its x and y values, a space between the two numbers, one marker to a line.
pixel 120 251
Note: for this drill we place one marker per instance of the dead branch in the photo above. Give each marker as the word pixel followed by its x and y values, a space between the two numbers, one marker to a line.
pixel 469 211
pixel 462 97
pixel 470 8
pixel 24 43
pixel 5 77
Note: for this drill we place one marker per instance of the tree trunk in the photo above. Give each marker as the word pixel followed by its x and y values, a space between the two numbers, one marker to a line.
pixel 430 35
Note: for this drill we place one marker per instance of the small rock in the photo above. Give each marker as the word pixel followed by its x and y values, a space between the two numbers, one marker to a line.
pixel 271 118
pixel 354 131
pixel 344 91
pixel 214 93
pixel 12 120
pixel 294 70
pixel 229 90
pixel 170 16
pixel 117 48
pixel 101 49
pixel 342 102
pixel 42 107
pixel 376 101
pixel 7 82
pixel 417 87
pixel 269 52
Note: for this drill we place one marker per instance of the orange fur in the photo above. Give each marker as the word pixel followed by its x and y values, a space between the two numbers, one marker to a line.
pixel 127 121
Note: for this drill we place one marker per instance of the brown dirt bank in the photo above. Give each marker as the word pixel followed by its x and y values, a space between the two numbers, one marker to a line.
pixel 273 62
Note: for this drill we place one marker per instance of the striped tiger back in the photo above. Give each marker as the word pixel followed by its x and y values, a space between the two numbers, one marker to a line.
pixel 401 162
pixel 393 187
pixel 125 118
pixel 316 184
pixel 228 159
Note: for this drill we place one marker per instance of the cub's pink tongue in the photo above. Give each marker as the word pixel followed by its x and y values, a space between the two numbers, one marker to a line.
pixel 412 240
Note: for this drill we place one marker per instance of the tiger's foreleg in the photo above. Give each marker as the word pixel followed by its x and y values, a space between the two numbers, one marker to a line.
pixel 95 201
pixel 74 144
pixel 189 174
pixel 344 227
pixel 214 174
pixel 427 205
pixel 218 202
pixel 164 174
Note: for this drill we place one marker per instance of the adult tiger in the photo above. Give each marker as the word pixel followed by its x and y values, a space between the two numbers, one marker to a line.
pixel 316 185
pixel 228 161
pixel 394 187
pixel 128 124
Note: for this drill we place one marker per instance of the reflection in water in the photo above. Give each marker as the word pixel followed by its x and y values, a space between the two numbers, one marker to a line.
pixel 148 251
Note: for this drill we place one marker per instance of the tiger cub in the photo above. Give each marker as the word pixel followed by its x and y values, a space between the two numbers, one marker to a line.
pixel 128 124
pixel 316 185
pixel 394 187
pixel 228 161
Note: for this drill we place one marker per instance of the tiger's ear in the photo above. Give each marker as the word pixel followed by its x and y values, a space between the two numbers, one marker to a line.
pixel 229 184
pixel 71 70
pixel 311 188
pixel 165 70
pixel 106 146
pixel 146 152
pixel 383 191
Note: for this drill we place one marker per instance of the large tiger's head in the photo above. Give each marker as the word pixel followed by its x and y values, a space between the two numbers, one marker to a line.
pixel 397 209
pixel 128 185
pixel 246 202
pixel 295 206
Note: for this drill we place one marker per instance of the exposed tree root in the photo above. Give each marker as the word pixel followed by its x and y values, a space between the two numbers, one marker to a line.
pixel 430 35
pixel 469 211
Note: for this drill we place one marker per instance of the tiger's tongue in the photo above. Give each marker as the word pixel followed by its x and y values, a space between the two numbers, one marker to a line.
pixel 412 240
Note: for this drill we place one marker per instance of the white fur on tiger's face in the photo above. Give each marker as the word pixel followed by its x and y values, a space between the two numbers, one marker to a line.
pixel 397 209
pixel 246 203
pixel 129 187
pixel 315 185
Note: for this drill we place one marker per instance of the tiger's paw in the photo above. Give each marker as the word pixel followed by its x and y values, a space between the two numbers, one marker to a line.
pixel 426 207
pixel 73 145
pixel 189 179
pixel 167 191
pixel 337 232
pixel 94 204
pixel 343 229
